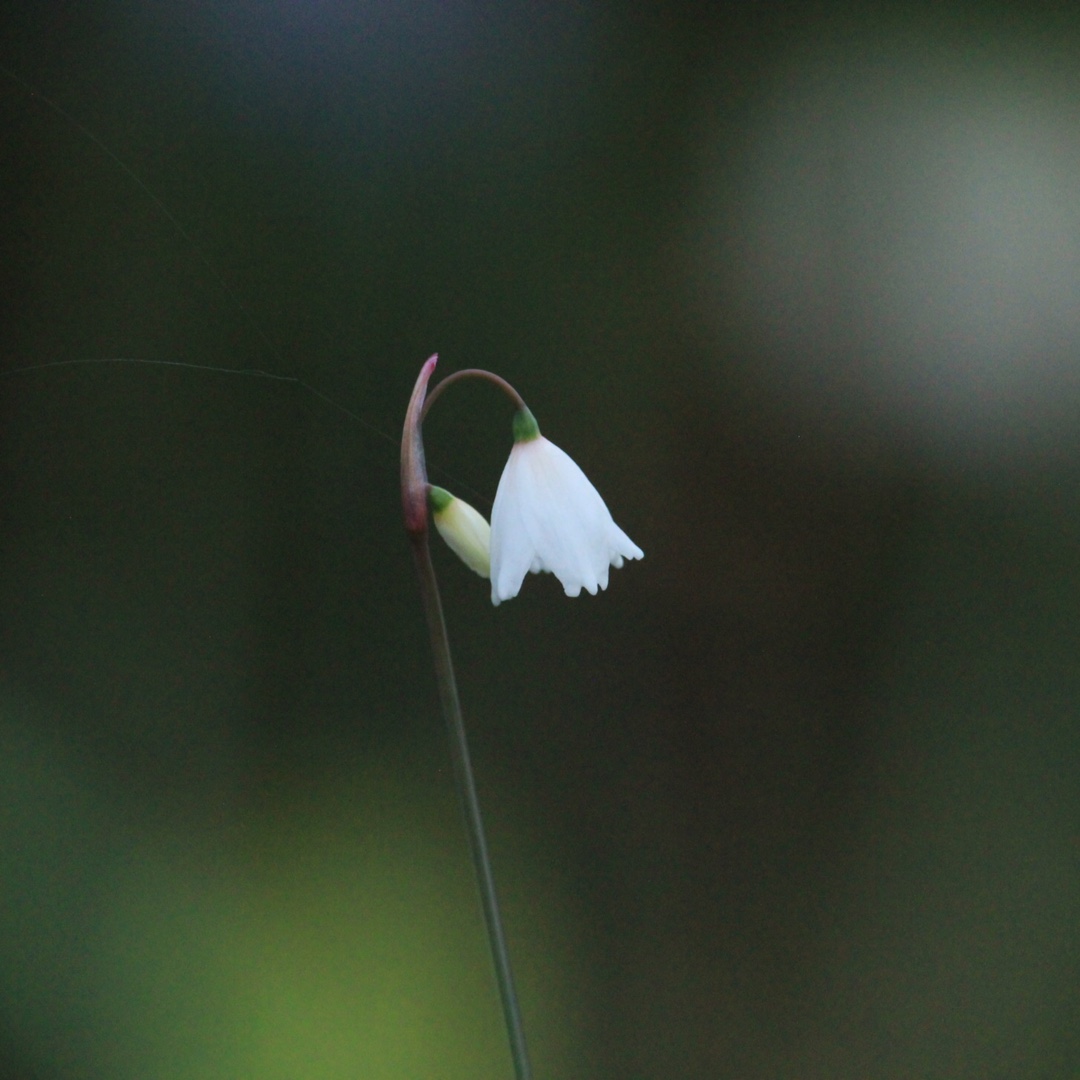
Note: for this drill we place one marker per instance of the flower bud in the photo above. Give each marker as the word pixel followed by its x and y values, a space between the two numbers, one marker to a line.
pixel 464 529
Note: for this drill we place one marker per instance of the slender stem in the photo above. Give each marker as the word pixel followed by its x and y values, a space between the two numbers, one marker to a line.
pixel 470 804
pixel 472 373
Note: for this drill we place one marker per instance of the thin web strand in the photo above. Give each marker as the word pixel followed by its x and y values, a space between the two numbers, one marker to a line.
pixel 231 293
pixel 171 218
pixel 255 373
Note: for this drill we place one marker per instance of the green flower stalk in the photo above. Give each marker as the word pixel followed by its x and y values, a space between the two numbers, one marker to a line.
pixel 547 516
pixel 415 496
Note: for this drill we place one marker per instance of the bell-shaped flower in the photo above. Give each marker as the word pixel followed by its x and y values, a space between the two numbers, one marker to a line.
pixel 464 529
pixel 548 517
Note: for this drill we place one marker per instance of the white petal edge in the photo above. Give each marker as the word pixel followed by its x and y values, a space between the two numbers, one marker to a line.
pixel 547 516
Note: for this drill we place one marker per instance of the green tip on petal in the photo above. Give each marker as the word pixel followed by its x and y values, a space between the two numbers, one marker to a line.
pixel 525 426
pixel 438 498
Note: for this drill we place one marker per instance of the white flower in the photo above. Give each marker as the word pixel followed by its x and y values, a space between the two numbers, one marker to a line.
pixel 548 517
pixel 464 529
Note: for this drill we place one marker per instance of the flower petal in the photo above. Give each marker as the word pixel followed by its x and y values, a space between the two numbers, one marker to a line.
pixel 464 529
pixel 548 516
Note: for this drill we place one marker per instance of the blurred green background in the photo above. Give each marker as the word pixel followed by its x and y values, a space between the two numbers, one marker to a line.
pixel 799 796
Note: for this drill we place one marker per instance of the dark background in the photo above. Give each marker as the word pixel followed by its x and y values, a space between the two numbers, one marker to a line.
pixel 798 796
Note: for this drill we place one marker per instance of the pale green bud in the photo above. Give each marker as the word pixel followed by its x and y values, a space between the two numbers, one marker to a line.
pixel 464 529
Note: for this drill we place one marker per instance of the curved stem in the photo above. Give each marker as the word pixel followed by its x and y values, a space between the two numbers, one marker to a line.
pixel 473 373
pixel 470 804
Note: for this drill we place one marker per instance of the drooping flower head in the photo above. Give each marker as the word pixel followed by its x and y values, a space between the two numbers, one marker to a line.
pixel 548 517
